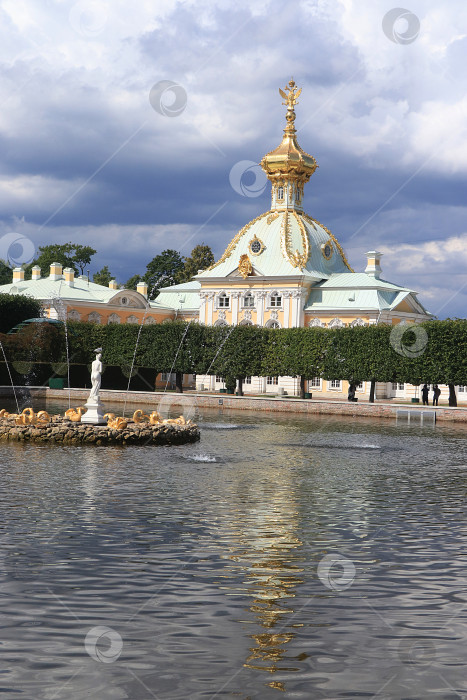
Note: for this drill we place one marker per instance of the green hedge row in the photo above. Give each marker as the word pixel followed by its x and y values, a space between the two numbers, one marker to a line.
pixel 432 352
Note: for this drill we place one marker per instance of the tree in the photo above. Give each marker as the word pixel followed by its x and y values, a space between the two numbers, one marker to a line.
pixel 164 270
pixel 67 254
pixel 6 273
pixel 82 255
pixel 201 258
pixel 132 282
pixel 102 276
pixel 15 308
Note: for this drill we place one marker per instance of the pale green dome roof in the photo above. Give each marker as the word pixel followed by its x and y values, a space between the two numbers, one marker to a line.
pixel 282 244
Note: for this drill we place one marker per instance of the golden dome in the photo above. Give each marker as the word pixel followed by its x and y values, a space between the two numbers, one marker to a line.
pixel 288 161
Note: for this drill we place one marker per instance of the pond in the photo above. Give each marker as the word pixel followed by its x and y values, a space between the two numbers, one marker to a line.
pixel 282 556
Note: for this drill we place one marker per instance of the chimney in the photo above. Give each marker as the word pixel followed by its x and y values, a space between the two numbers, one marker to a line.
pixel 55 271
pixel 113 284
pixel 373 268
pixel 18 274
pixel 142 288
pixel 36 273
pixel 69 276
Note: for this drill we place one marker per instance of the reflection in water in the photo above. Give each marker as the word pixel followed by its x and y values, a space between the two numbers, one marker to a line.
pixel 263 546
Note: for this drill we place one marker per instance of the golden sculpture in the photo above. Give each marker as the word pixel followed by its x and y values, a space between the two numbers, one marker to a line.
pixel 29 417
pixel 74 414
pixel 293 93
pixel 245 267
pixel 155 418
pixel 140 417
pixel 116 422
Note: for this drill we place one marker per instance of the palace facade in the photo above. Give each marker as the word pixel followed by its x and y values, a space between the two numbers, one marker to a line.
pixel 284 269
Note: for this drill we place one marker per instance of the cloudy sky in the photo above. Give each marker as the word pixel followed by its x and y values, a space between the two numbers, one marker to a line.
pixel 98 149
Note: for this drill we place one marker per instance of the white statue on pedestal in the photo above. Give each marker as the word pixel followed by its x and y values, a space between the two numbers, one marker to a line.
pixel 94 408
pixel 96 371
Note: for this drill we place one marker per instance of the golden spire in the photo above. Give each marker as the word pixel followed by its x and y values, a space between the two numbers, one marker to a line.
pixel 288 166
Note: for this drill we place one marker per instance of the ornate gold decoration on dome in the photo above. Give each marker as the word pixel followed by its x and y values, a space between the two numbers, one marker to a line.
pixel 256 245
pixel 331 236
pixel 245 267
pixel 296 259
pixel 272 217
pixel 327 249
pixel 233 243
pixel 289 158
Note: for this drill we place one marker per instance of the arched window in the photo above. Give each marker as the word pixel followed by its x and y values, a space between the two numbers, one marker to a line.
pixel 223 301
pixel 273 324
pixel 113 318
pixel 132 319
pixel 74 315
pixel 316 323
pixel 149 321
pixel 336 323
pixel 280 193
pixel 94 317
pixel 245 322
pixel 220 322
pixel 275 300
pixel 358 322
pixel 248 300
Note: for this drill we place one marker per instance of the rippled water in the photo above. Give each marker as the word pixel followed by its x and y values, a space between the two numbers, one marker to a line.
pixel 279 557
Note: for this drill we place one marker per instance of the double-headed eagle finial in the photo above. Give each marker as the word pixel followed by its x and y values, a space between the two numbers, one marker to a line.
pixel 291 98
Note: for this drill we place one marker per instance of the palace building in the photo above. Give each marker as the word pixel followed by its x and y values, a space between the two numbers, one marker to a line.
pixel 284 269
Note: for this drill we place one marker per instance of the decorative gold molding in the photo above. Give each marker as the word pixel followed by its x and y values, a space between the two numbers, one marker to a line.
pixel 323 249
pixel 233 243
pixel 333 238
pixel 296 259
pixel 245 267
pixel 254 240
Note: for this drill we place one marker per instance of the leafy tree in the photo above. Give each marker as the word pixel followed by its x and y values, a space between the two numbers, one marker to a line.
pixel 67 254
pixel 296 352
pixel 241 355
pixel 164 270
pixel 132 282
pixel 6 273
pixel 15 308
pixel 82 255
pixel 201 258
pixel 102 276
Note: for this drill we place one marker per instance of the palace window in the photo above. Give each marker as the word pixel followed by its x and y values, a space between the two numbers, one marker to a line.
pixel 94 317
pixel 273 324
pixel 461 389
pixel 275 299
pixel 272 381
pixel 245 322
pixel 335 384
pixel 223 301
pixel 280 193
pixel 315 383
pixel 248 300
pixel 74 315
pixel 397 386
pixel 360 386
pixel 113 318
pixel 219 379
pixel 247 380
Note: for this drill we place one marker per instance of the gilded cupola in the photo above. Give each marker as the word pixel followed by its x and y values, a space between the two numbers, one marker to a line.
pixel 288 167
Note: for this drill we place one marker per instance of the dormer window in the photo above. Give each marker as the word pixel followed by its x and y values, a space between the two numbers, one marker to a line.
pixel 223 301
pixel 275 300
pixel 248 300
pixel 280 193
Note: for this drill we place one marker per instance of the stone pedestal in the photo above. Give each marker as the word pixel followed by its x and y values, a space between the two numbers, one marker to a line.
pixel 95 412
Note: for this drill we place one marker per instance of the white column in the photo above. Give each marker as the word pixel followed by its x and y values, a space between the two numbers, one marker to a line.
pixel 211 296
pixel 235 297
pixel 286 297
pixel 260 302
pixel 202 307
pixel 297 308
